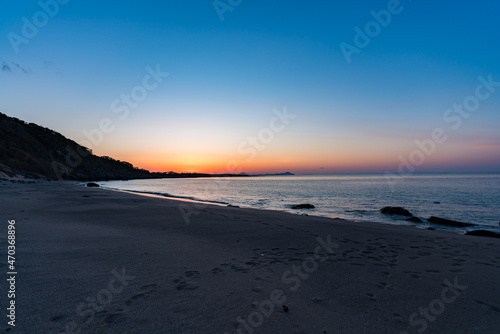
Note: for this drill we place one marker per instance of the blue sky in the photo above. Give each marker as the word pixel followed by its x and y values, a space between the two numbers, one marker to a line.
pixel 226 77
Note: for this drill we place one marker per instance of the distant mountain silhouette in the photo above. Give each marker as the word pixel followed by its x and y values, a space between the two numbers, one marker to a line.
pixel 277 174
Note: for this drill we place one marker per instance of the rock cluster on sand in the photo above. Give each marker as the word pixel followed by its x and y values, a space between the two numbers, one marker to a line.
pixel 447 222
pixel 395 210
pixel 414 219
pixel 484 233
pixel 303 206
pixel 92 185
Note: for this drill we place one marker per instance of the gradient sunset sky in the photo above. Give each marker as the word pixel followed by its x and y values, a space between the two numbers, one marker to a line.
pixel 233 68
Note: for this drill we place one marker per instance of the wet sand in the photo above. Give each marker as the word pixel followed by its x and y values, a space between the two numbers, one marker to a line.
pixel 100 261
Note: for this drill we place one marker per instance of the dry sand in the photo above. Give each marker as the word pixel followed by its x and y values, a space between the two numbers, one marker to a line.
pixel 101 261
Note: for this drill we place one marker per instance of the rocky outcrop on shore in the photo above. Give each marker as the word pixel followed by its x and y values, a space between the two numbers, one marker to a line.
pixel 448 222
pixel 303 206
pixel 395 210
pixel 484 233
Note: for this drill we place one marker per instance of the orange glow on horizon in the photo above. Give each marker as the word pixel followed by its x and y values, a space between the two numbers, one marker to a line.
pixel 212 165
pixel 356 156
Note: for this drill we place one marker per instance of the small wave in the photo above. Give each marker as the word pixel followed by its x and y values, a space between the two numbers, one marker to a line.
pixel 357 211
pixel 169 195
pixel 194 199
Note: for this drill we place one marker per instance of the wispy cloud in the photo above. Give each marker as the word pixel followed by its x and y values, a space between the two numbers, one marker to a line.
pixel 6 67
pixel 13 67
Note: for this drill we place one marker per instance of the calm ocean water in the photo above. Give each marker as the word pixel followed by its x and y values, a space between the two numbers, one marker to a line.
pixel 473 198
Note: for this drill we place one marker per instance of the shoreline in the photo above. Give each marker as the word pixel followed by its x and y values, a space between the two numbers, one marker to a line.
pixel 234 268
pixel 162 196
pixel 396 222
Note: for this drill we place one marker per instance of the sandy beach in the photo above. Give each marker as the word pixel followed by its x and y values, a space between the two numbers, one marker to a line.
pixel 91 260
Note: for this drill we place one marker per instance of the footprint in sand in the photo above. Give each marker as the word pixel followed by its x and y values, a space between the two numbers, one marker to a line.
pixel 412 274
pixel 119 314
pixel 216 271
pixel 432 271
pixel 256 290
pixel 485 264
pixel 489 306
pixel 371 296
pixel 399 318
pixel 386 274
pixel 422 253
pixel 139 296
pixel 191 273
pixel 186 282
pixel 114 317
pixel 357 264
pixel 58 317
pixel 145 292
pixel 239 269
pixel 383 286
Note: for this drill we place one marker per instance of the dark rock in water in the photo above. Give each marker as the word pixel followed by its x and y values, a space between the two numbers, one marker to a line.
pixel 484 233
pixel 414 219
pixel 232 206
pixel 431 228
pixel 437 202
pixel 395 210
pixel 303 206
pixel 91 184
pixel 447 222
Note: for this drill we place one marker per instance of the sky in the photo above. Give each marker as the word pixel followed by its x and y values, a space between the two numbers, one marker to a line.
pixel 261 86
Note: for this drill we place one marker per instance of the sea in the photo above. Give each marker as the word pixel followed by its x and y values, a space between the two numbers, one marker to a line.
pixel 470 198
